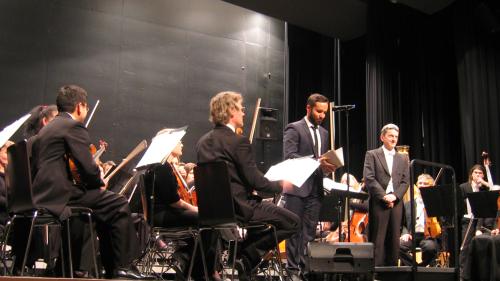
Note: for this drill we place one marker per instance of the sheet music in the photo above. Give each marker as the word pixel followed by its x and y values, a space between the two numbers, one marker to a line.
pixel 330 184
pixel 336 157
pixel 296 170
pixel 10 130
pixel 161 146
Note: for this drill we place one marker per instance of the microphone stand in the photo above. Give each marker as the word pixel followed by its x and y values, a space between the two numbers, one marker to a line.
pixel 346 164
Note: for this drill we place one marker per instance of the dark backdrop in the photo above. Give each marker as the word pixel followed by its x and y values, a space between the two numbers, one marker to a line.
pixel 153 64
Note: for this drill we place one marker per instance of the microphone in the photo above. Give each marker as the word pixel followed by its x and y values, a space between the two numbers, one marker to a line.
pixel 344 107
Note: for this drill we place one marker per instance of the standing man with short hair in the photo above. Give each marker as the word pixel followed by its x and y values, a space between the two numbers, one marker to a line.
pixel 302 138
pixel 386 177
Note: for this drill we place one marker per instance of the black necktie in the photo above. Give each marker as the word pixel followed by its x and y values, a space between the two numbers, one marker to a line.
pixel 316 146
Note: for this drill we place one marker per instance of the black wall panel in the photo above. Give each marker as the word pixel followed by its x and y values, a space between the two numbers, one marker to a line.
pixel 152 64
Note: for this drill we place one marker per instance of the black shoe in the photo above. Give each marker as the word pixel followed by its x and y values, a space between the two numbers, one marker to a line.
pixel 129 273
pixel 244 269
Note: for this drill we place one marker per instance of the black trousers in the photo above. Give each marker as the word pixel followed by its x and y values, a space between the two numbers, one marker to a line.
pixel 114 225
pixel 257 243
pixel 307 209
pixel 384 231
pixel 429 250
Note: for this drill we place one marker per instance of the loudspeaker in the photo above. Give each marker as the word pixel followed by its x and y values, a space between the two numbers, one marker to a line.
pixel 340 257
pixel 268 126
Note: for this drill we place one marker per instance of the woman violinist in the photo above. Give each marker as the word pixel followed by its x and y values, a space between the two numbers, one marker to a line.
pixel 173 208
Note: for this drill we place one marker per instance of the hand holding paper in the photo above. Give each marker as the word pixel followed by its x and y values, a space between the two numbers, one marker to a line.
pixel 335 157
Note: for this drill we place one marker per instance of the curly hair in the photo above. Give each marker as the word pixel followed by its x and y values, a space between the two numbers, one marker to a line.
pixel 220 106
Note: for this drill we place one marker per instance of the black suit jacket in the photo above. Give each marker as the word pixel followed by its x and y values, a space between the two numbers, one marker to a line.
pixel 376 174
pixel 222 144
pixel 298 142
pixel 53 184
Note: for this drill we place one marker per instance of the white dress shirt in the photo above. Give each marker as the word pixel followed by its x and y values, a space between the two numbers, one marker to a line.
pixel 389 159
pixel 311 130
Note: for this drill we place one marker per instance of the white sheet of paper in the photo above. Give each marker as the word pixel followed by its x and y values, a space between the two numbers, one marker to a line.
pixel 330 184
pixel 10 130
pixel 296 170
pixel 161 146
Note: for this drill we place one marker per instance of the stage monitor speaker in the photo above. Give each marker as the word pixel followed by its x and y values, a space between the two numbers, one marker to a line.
pixel 268 126
pixel 340 257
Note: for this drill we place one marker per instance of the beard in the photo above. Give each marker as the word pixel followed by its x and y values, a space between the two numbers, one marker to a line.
pixel 312 120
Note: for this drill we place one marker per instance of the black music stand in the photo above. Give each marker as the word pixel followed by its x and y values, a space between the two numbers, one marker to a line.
pixel 483 203
pixel 434 197
pixel 340 196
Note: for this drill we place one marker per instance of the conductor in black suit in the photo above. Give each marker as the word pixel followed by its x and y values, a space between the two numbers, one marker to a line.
pixel 386 178
pixel 223 144
pixel 55 189
pixel 303 138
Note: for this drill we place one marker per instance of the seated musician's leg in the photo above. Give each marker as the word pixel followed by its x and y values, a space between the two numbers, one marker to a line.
pixel 285 222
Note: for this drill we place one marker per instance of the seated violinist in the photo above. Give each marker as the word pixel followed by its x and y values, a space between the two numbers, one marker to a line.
pixel 173 208
pixel 53 188
pixel 423 235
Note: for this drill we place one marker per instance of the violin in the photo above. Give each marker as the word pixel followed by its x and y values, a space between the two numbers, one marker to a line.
pixel 96 154
pixel 432 227
pixel 183 189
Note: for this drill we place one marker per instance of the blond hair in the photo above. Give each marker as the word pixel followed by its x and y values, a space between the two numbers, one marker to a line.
pixel 220 106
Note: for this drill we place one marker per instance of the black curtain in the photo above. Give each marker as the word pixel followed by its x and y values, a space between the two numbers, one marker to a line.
pixel 311 69
pixel 477 45
pixel 412 81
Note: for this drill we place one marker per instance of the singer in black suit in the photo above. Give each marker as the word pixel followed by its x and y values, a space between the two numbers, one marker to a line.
pixel 56 189
pixel 223 144
pixel 386 178
pixel 302 138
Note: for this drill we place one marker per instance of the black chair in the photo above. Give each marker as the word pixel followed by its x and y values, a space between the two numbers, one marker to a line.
pixel 154 179
pixel 22 205
pixel 216 212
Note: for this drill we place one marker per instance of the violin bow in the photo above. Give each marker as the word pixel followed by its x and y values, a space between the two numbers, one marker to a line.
pixel 254 120
pixel 92 113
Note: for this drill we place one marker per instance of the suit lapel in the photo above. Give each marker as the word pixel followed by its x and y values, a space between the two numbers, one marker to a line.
pixel 306 132
pixel 381 157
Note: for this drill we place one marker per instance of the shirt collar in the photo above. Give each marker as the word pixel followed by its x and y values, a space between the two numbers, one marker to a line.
pixel 69 114
pixel 389 152
pixel 309 124
pixel 231 127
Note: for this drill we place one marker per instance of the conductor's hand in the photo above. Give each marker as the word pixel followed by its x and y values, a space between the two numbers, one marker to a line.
pixel 326 166
pixel 287 186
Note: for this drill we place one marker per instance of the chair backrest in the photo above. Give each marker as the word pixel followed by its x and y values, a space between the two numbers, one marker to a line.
pixel 155 181
pixel 18 179
pixel 215 199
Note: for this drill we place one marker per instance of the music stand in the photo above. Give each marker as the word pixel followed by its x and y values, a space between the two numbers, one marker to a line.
pixel 433 198
pixel 483 203
pixel 341 196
